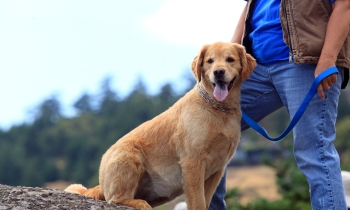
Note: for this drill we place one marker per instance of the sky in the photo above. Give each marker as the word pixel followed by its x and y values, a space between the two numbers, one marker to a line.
pixel 67 47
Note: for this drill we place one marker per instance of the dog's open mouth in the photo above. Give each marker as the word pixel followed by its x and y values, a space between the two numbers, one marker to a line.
pixel 221 89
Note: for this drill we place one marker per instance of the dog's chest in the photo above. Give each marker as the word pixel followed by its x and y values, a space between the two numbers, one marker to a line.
pixel 211 138
pixel 220 149
pixel 208 128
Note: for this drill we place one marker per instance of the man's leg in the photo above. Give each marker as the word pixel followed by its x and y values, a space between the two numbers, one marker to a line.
pixel 314 134
pixel 259 98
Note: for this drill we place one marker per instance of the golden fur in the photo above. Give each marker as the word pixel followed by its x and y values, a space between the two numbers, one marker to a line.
pixel 183 150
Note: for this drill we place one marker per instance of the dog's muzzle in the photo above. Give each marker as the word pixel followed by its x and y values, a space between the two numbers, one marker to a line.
pixel 221 88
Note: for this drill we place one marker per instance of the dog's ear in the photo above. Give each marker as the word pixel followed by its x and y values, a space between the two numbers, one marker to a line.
pixel 247 61
pixel 194 67
pixel 197 63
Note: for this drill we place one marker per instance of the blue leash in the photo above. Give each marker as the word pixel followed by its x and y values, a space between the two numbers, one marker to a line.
pixel 298 114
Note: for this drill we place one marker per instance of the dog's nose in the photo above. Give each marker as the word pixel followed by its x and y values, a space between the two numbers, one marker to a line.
pixel 219 72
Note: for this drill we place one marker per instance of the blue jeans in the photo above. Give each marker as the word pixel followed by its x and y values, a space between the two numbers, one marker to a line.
pixel 271 87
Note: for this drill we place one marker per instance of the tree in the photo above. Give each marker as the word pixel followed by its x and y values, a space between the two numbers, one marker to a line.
pixel 108 99
pixel 48 112
pixel 83 104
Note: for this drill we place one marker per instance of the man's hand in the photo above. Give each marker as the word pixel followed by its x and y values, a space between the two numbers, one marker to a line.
pixel 326 83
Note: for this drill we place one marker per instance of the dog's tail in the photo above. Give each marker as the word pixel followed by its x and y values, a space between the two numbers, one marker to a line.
pixel 80 189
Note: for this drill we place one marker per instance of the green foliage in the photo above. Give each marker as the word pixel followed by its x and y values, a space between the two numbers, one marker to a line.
pixel 292 186
pixel 54 147
pixel 342 143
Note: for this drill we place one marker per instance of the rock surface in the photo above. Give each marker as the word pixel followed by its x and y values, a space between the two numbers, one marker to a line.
pixel 21 198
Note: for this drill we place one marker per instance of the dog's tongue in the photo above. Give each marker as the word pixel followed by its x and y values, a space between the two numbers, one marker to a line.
pixel 220 91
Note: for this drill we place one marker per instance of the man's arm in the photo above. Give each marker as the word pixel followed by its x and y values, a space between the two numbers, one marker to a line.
pixel 237 35
pixel 337 31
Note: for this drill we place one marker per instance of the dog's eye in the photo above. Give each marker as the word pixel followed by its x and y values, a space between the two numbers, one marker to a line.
pixel 230 60
pixel 210 60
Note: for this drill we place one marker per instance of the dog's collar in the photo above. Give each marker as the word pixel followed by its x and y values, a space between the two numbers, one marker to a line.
pixel 211 101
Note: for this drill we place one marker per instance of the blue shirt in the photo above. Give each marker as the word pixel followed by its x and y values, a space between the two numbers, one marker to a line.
pixel 267 36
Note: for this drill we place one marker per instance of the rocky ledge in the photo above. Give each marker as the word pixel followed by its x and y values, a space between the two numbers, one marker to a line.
pixel 21 198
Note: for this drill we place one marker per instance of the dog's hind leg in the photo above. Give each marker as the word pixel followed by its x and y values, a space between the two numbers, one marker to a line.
pixel 121 177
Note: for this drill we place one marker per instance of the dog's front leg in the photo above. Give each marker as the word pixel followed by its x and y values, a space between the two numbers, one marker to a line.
pixel 193 178
pixel 211 184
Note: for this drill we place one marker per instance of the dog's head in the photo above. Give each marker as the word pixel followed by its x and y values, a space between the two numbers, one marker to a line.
pixel 221 65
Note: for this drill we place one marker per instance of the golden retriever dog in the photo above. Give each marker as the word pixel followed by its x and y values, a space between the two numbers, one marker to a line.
pixel 186 148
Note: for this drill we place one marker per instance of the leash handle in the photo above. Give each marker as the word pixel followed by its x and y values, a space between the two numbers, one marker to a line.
pixel 298 114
